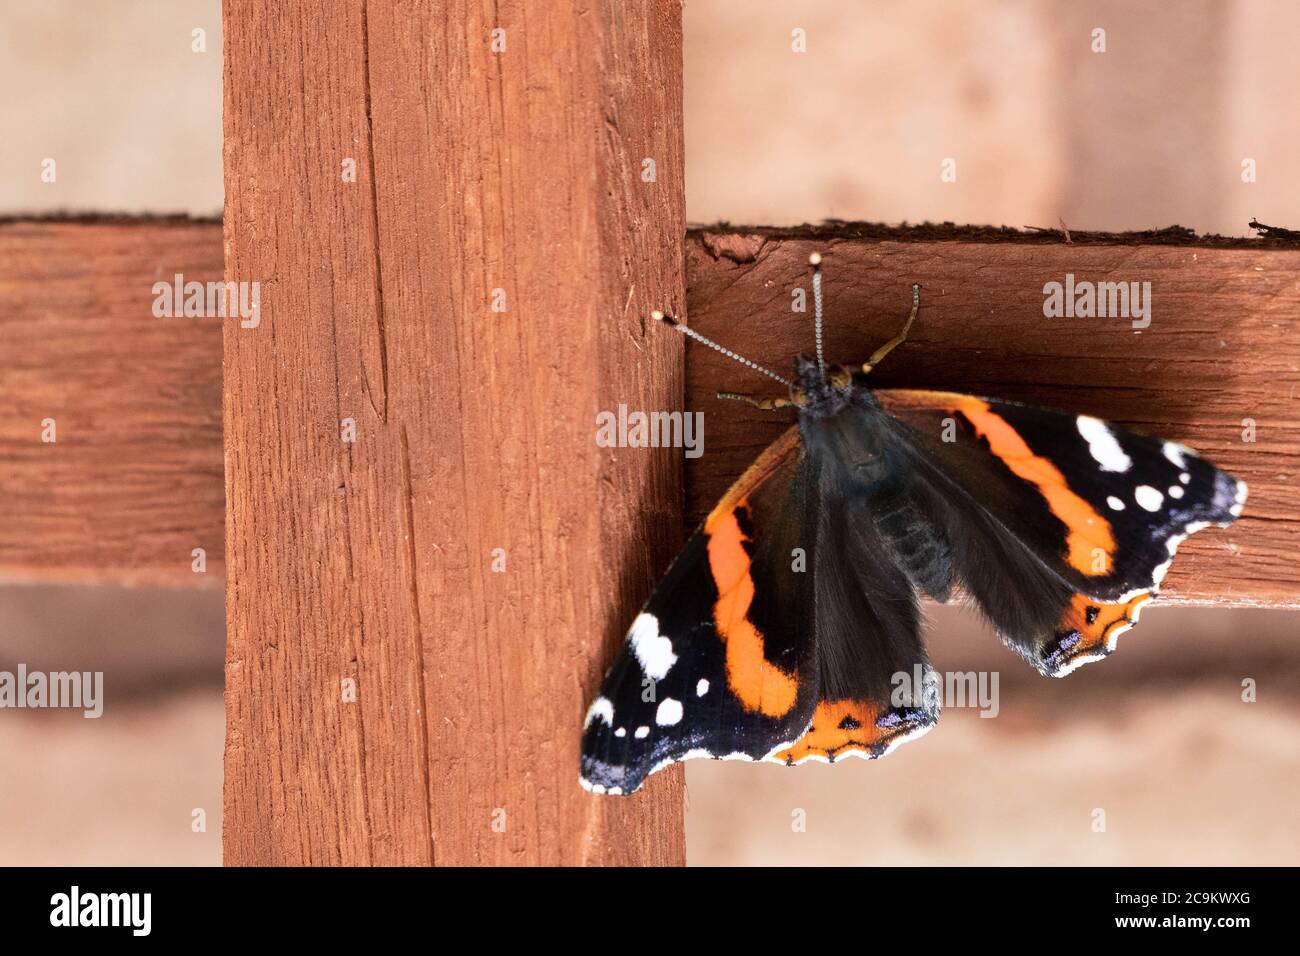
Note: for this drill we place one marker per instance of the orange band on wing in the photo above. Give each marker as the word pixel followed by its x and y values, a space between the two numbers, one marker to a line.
pixel 1090 543
pixel 760 684
pixel 1098 624
pixel 837 727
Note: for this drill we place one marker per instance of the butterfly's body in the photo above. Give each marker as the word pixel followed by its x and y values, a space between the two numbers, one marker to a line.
pixel 859 454
pixel 789 627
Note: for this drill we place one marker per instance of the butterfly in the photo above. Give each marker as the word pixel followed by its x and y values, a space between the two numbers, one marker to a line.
pixel 788 626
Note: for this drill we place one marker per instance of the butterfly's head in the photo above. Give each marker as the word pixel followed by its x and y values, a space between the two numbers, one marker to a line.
pixel 816 389
pixel 819 390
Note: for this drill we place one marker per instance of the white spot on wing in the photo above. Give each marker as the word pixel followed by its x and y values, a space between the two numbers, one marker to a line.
pixel 1185 478
pixel 702 687
pixel 1148 498
pixel 1115 503
pixel 669 712
pixel 1239 502
pixel 1103 446
pixel 1175 491
pixel 602 708
pixel 642 732
pixel 621 732
pixel 654 653
pixel 1176 453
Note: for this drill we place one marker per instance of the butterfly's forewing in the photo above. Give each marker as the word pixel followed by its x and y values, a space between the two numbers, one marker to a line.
pixel 1062 526
pixel 715 665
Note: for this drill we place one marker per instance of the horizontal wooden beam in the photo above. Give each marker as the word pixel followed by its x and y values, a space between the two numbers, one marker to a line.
pixel 128 497
pixel 1218 364
pixel 131 483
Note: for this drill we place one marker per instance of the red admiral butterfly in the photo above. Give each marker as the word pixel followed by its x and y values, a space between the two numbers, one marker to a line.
pixel 778 632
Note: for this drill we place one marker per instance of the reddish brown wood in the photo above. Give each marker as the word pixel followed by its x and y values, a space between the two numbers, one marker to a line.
pixel 126 500
pixel 476 171
pixel 132 483
pixel 1222 347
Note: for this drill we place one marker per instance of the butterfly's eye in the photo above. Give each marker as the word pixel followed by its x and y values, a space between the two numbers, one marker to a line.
pixel 799 397
pixel 840 377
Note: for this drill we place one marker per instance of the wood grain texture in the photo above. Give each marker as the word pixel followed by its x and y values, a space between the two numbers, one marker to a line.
pixel 132 483
pixel 477 171
pixel 1222 347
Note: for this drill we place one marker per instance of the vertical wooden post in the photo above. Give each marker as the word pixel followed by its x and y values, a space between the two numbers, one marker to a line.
pixel 469 301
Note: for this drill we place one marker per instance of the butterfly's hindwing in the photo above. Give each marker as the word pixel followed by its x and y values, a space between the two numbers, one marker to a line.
pixel 875 683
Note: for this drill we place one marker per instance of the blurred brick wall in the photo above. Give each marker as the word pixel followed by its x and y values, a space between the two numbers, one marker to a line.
pixel 1150 133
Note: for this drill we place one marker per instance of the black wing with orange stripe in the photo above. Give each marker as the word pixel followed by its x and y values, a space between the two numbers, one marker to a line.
pixel 774 636
pixel 712 667
pixel 1062 526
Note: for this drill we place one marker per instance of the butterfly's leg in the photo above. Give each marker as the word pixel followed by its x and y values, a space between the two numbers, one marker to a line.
pixel 898 339
pixel 767 404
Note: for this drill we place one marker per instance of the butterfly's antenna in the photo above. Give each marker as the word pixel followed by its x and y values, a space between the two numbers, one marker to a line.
pixel 815 260
pixel 691 333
